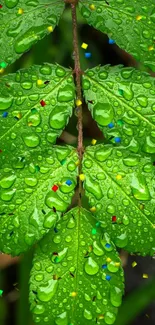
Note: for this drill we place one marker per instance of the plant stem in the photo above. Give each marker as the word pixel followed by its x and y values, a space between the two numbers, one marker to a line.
pixel 77 71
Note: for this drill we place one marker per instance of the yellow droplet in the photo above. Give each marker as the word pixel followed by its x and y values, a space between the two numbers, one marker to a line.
pixel 77 162
pixel 19 115
pixel 20 11
pixel 93 142
pixel 117 264
pixel 139 17
pixel 39 82
pixel 84 46
pixel 134 264
pixel 82 177
pixel 59 183
pixel 108 259
pixel 78 102
pixel 145 276
pixel 101 317
pixel 90 249
pixel 29 123
pixel 1 70
pixel 50 29
pixel 92 7
pixel 118 177
pixel 151 48
pixel 93 209
pixel 74 294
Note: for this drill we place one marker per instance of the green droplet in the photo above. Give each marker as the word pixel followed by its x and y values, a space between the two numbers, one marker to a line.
pixel 58 117
pixel 71 223
pixel 131 161
pixel 11 3
pixel 31 141
pixel 109 318
pixel 7 195
pixel 139 188
pixel 53 200
pixel 38 309
pixel 91 267
pixel 30 37
pixel 50 220
pixel 62 319
pixel 93 187
pixel 103 113
pixel 7 182
pixel 87 314
pixel 66 94
pixel 60 72
pixel 103 154
pixel 5 102
pixel 115 296
pixel 97 250
pixel 31 181
pixel 121 240
pixel 46 292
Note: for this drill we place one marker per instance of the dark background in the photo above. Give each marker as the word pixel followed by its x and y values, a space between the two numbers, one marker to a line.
pixel 138 306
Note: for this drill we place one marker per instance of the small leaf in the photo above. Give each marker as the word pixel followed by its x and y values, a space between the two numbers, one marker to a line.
pixel 75 278
pixel 36 112
pixel 122 102
pixel 121 189
pixel 34 194
pixel 24 23
pixel 130 24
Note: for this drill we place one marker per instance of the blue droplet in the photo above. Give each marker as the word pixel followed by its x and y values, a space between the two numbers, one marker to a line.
pixel 5 114
pixel 87 55
pixel 111 41
pixel 69 182
pixel 117 139
pixel 107 245
pixel 104 266
pixel 55 230
pixel 111 125
pixel 108 277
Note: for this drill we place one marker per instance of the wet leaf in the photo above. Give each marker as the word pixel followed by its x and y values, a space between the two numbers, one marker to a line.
pixel 24 23
pixel 121 191
pixel 34 193
pixel 122 102
pixel 33 113
pixel 130 24
pixel 74 278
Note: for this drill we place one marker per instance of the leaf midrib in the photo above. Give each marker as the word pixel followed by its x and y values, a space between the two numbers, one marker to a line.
pixel 121 101
pixel 120 189
pixel 45 97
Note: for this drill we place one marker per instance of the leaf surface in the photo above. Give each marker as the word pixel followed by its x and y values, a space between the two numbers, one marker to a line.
pixel 23 23
pixel 130 24
pixel 75 278
pixel 121 191
pixel 36 188
pixel 35 106
pixel 122 102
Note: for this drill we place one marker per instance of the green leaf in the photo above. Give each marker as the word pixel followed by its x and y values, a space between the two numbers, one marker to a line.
pixel 35 106
pixel 131 24
pixel 121 191
pixel 34 194
pixel 24 23
pixel 122 102
pixel 68 283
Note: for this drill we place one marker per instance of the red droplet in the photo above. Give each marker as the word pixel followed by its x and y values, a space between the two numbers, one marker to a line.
pixel 55 188
pixel 0 151
pixel 114 219
pixel 42 103
pixel 1 6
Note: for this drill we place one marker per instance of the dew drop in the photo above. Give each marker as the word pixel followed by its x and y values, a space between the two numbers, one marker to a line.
pixel 47 291
pixel 91 267
pixel 103 113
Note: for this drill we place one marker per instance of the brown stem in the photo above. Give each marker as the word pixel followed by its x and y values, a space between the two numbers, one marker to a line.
pixel 77 71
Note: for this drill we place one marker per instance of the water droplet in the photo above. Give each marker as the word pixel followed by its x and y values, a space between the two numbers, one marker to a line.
pixel 5 102
pixel 149 146
pixel 131 161
pixel 11 3
pixel 53 200
pixel 26 85
pixel 31 141
pixel 115 296
pixel 7 182
pixel 66 94
pixel 58 117
pixel 93 187
pixel 7 195
pixel 62 319
pixel 61 255
pixel 103 113
pixel 31 181
pixel 50 220
pixel 60 72
pixel 34 119
pixel 34 218
pixel 91 267
pixel 47 291
pixel 97 250
pixel 87 314
pixel 103 154
pixel 109 318
pixel 38 309
pixel 121 240
pixel 142 100
pixel 71 223
pixel 139 188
